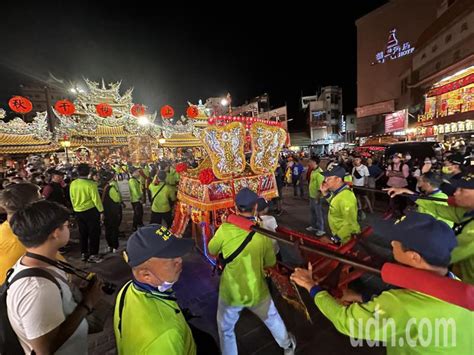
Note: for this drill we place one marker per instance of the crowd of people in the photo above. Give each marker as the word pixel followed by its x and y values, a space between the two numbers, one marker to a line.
pixel 49 300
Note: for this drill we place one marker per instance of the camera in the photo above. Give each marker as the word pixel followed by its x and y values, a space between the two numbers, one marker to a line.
pixel 108 287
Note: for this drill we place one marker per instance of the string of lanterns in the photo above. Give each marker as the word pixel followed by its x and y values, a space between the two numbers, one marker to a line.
pixel 22 105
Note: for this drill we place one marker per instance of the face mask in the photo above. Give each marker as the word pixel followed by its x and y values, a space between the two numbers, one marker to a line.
pixel 407 157
pixel 433 161
pixel 446 170
pixel 165 286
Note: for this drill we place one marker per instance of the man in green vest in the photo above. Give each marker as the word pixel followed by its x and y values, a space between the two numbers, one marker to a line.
pixel 243 282
pixel 147 318
pixel 461 212
pixel 136 195
pixel 112 201
pixel 172 179
pixel 408 322
pixel 88 208
pixel 342 216
pixel 162 200
pixel 429 184
pixel 316 210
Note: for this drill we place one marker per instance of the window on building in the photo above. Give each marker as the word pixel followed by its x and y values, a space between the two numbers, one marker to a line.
pixel 335 99
pixel 423 56
pixel 352 120
pixel 464 27
pixel 334 114
pixel 434 48
pixel 404 86
pixel 448 38
pixel 334 129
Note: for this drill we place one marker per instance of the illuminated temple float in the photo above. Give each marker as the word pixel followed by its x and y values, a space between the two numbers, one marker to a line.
pixel 105 124
pixel 241 152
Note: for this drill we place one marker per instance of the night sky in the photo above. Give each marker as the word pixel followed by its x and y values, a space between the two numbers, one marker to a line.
pixel 172 55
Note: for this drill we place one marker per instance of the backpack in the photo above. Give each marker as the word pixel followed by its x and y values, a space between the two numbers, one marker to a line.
pixel 9 343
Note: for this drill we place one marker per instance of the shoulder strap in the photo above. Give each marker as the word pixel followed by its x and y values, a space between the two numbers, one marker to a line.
pixel 242 246
pixel 458 228
pixel 121 305
pixel 161 188
pixel 34 272
pixel 105 192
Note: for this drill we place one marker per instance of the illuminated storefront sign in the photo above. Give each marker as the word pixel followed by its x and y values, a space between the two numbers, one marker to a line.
pixel 396 121
pixel 448 97
pixel 394 49
pixel 454 127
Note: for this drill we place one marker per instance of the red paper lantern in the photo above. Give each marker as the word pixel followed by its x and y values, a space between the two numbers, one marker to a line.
pixel 104 110
pixel 167 111
pixel 138 110
pixel 192 111
pixel 206 176
pixel 20 104
pixel 65 107
pixel 181 167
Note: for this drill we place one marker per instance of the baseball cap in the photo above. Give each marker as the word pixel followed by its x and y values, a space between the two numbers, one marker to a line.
pixel 162 175
pixel 456 159
pixel 466 182
pixel 155 241
pixel 246 199
pixel 432 239
pixel 335 170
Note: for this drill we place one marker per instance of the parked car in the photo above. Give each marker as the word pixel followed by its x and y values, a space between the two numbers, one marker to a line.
pixel 417 150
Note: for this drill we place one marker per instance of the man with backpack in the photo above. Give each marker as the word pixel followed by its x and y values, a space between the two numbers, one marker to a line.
pixel 243 282
pixel 40 305
pixel 162 199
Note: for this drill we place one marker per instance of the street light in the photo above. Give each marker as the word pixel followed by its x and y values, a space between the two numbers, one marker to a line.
pixel 162 141
pixel 143 120
pixel 224 102
pixel 66 143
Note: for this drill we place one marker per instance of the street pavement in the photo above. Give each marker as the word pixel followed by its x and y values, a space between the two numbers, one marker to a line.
pixel 197 290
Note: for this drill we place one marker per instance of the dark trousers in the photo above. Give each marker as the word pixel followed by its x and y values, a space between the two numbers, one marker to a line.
pixel 89 230
pixel 297 185
pixel 146 195
pixel 159 217
pixel 205 343
pixel 112 221
pixel 137 215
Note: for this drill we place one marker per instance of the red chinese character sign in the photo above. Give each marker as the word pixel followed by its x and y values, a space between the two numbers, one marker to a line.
pixel 104 110
pixel 20 104
pixel 167 111
pixel 192 111
pixel 138 110
pixel 65 107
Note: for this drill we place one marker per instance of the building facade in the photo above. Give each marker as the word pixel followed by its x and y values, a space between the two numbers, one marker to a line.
pixel 386 44
pixel 323 115
pixel 442 76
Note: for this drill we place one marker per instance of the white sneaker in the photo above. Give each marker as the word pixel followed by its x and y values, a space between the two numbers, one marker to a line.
pixel 292 348
pixel 320 233
pixel 95 259
pixel 311 229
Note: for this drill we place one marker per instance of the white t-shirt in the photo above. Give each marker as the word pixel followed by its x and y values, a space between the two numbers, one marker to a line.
pixel 363 172
pixel 35 308
pixel 270 223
